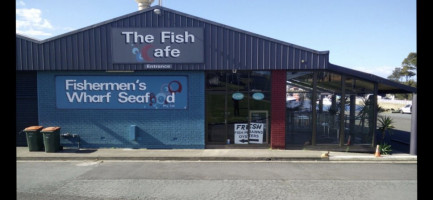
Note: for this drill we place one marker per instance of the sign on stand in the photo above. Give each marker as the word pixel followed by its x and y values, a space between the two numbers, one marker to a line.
pixel 241 133
pixel 255 135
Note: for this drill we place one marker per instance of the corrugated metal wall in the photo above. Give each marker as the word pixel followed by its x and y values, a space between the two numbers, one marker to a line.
pixel 225 47
pixel 26 104
pixel 28 54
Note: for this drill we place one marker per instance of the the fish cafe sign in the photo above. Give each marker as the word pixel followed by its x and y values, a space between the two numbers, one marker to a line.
pixel 157 45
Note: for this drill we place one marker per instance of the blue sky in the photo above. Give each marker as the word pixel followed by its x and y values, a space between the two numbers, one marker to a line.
pixel 373 36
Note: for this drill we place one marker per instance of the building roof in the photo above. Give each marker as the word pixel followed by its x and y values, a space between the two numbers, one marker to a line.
pixel 225 48
pixel 385 86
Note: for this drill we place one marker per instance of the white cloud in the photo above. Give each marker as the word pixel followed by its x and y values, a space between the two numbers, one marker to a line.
pixel 31 17
pixel 21 3
pixel 30 22
pixel 31 32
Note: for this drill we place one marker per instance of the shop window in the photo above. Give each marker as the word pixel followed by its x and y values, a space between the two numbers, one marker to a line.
pixel 238 81
pixel 216 81
pixel 234 99
pixel 260 81
pixel 328 109
pixel 299 108
pixel 358 113
pixel 329 82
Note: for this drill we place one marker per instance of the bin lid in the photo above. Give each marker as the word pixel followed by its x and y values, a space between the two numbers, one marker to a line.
pixel 33 128
pixel 51 129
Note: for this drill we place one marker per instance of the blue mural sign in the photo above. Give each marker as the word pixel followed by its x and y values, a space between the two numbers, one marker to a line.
pixel 122 92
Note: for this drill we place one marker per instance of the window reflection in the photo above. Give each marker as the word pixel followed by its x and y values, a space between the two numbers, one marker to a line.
pixel 357 111
pixel 216 81
pixel 260 81
pixel 237 81
pixel 298 108
pixel 357 116
pixel 232 98
pixel 328 107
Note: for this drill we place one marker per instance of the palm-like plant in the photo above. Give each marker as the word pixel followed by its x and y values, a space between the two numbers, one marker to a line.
pixel 386 124
pixel 367 110
pixel 367 113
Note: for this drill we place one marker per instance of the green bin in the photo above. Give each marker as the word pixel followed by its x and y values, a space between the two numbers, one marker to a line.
pixel 51 139
pixel 34 138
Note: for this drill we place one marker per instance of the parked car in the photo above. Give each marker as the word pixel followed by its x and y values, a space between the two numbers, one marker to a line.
pixel 406 109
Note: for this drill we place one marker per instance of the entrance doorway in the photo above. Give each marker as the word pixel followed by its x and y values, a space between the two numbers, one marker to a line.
pixel 237 108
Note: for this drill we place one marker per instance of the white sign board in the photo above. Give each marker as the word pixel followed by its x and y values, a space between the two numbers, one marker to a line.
pixel 241 133
pixel 256 133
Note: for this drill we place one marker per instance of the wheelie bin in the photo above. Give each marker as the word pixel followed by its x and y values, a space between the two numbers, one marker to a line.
pixel 51 139
pixel 34 138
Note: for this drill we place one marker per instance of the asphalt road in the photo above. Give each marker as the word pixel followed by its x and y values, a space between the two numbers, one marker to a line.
pixel 215 180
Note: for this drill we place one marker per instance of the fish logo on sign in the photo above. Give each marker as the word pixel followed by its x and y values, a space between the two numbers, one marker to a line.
pixel 143 54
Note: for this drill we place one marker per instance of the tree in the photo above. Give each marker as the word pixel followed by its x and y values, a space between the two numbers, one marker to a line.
pixel 410 61
pixel 406 72
pixel 396 75
pixel 407 69
pixel 409 66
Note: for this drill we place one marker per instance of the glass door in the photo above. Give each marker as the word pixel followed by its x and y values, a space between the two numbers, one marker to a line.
pixel 216 117
pixel 259 131
pixel 237 118
pixel 237 107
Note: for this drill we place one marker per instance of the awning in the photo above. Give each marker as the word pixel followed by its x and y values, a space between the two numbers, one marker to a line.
pixel 385 86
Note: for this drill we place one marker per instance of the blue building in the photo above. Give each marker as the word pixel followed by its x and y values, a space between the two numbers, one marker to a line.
pixel 171 80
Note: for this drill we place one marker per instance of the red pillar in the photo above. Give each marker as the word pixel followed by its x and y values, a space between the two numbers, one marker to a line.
pixel 278 109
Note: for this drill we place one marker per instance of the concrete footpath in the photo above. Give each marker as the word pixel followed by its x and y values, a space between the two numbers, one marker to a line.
pixel 23 153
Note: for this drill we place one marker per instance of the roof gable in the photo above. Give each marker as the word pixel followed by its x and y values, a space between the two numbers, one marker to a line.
pixel 225 47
